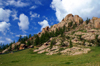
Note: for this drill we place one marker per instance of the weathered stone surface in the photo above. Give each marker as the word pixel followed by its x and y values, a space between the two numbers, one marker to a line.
pixel 15 44
pixel 78 19
pixel 75 51
pixel 88 36
pixel 97 23
pixel 5 50
pixel 54 27
pixel 67 17
pixel 31 46
pixel 41 48
pixel 45 29
pixel 95 18
pixel 22 46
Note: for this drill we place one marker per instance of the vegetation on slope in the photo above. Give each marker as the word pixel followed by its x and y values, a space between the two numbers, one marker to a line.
pixel 28 58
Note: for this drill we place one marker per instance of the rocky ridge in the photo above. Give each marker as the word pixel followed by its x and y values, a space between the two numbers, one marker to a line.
pixel 80 36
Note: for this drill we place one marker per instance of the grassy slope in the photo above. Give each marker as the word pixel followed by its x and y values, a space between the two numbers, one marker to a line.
pixel 25 58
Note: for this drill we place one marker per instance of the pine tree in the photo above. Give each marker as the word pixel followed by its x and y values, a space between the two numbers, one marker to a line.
pixel 30 36
pixel 20 38
pixel 36 40
pixel 71 45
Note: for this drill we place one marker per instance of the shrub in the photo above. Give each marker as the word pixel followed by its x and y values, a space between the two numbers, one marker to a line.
pixel 70 24
pixel 67 37
pixel 61 49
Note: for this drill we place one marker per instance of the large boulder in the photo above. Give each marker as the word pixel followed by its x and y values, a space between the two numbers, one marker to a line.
pixel 54 27
pixel 15 44
pixel 22 46
pixel 45 29
pixel 95 18
pixel 78 19
pixel 69 16
pixel 5 50
pixel 97 23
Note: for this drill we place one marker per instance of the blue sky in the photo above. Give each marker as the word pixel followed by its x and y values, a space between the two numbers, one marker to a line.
pixel 24 17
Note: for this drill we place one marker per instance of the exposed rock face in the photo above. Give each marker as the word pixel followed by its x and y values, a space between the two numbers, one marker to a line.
pixel 5 50
pixel 69 16
pixel 15 44
pixel 78 19
pixel 95 18
pixel 97 23
pixel 31 46
pixel 22 46
pixel 45 29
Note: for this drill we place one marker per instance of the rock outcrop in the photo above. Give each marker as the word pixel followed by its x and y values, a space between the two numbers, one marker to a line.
pixel 97 23
pixel 78 19
pixel 68 17
pixel 22 46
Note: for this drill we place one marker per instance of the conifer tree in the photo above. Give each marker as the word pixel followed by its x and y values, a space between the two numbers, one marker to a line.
pixel 71 45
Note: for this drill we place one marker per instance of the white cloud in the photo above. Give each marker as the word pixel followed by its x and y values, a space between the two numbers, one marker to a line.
pixel 4 26
pixel 9 40
pixel 44 23
pixel 24 22
pixel 34 15
pixel 83 8
pixel 15 15
pixel 4 14
pixel 17 3
pixel 33 7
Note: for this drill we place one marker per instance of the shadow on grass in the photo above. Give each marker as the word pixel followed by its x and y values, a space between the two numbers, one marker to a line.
pixel 68 62
pixel 14 61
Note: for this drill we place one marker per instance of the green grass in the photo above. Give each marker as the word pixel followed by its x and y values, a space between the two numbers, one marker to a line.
pixel 27 58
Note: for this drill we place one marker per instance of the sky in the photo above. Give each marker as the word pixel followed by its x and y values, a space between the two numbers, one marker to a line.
pixel 24 17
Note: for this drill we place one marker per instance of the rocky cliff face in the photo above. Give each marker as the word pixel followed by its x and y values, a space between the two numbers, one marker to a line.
pixel 69 18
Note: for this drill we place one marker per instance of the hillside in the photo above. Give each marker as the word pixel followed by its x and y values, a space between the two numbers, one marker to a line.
pixel 28 58
pixel 71 42
pixel 71 36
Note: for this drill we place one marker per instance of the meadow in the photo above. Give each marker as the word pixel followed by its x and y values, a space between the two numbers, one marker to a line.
pixel 28 58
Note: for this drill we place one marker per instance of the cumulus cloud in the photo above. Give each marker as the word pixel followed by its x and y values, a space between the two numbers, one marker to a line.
pixel 4 14
pixel 17 3
pixel 44 23
pixel 4 26
pixel 24 22
pixel 83 8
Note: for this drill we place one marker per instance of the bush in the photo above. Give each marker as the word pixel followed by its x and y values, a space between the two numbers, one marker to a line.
pixel 61 49
pixel 67 37
pixel 70 24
